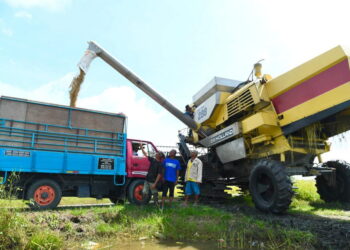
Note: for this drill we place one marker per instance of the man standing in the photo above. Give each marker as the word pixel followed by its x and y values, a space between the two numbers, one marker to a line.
pixel 154 174
pixel 193 177
pixel 171 173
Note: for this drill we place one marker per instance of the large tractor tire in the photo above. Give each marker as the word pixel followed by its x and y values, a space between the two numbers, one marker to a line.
pixel 44 194
pixel 340 191
pixel 135 194
pixel 270 187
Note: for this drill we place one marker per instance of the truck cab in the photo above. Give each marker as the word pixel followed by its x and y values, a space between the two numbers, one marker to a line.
pixel 137 166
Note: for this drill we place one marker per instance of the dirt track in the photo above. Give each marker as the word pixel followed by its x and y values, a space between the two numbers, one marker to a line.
pixel 332 232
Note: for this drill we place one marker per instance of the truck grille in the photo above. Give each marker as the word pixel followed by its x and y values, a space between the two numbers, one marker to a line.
pixel 240 103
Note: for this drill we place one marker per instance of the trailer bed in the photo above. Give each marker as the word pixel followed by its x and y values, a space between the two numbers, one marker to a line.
pixel 50 138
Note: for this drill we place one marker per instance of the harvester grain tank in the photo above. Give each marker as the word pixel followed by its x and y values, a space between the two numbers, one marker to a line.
pixel 262 131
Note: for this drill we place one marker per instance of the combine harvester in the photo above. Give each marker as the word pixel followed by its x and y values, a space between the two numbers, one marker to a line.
pixel 260 132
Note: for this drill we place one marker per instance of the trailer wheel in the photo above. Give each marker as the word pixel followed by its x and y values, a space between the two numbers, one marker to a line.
pixel 44 194
pixel 341 190
pixel 135 195
pixel 270 187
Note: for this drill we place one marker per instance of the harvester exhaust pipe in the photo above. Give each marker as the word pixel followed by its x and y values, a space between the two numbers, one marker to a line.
pixel 95 50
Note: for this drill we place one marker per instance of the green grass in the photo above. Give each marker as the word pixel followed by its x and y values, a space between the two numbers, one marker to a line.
pixel 66 201
pixel 45 240
pixel 64 228
pixel 201 223
pixel 307 200
pixel 71 227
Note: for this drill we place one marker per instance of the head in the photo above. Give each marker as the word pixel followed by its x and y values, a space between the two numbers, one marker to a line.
pixel 188 108
pixel 160 156
pixel 194 154
pixel 135 147
pixel 172 153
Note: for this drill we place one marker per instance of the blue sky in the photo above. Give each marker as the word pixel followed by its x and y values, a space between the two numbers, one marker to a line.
pixel 176 46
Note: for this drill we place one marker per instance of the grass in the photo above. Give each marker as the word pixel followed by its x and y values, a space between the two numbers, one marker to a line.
pixel 66 201
pixel 307 200
pixel 72 227
pixel 45 240
pixel 64 228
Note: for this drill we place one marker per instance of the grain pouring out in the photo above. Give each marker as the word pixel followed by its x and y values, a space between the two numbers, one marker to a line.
pixel 75 87
pixel 78 80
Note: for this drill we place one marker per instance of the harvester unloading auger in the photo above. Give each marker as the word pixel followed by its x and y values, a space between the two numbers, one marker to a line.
pixel 262 131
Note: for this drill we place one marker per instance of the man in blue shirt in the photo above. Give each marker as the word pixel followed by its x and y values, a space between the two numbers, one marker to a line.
pixel 171 173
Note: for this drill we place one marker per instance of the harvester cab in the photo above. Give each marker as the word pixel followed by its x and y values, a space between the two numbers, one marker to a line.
pixel 261 131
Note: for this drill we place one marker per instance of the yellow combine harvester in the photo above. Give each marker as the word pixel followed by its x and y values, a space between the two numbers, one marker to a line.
pixel 262 131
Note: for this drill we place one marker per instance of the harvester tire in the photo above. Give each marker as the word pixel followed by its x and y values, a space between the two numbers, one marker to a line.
pixel 341 190
pixel 44 194
pixel 135 194
pixel 270 187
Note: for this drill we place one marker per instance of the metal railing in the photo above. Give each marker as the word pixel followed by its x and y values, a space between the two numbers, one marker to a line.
pixel 14 134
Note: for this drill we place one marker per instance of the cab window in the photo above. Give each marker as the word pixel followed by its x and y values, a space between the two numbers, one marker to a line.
pixel 151 150
pixel 136 150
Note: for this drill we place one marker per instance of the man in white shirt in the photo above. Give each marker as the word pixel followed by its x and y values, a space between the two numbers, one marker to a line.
pixel 193 177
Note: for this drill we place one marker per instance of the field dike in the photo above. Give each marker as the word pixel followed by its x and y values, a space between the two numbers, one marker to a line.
pixel 309 224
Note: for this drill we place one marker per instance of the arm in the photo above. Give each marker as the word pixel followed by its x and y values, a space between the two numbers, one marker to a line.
pixel 159 176
pixel 200 171
pixel 177 176
pixel 143 150
pixel 178 168
pixel 186 173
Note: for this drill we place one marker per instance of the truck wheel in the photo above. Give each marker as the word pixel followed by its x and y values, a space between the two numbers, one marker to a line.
pixel 270 187
pixel 44 194
pixel 341 190
pixel 135 195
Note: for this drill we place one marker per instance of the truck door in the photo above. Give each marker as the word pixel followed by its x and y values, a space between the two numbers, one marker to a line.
pixel 139 164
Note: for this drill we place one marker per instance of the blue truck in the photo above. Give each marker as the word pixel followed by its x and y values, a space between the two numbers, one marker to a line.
pixel 52 151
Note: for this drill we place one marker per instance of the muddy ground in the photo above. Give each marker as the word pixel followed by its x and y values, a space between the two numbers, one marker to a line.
pixel 333 232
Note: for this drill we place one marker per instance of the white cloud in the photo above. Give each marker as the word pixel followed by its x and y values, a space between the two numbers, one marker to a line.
pixel 53 5
pixel 4 29
pixel 143 121
pixel 7 31
pixel 23 14
pixel 303 29
pixel 54 91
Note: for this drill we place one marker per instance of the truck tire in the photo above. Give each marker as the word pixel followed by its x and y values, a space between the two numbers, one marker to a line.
pixel 341 190
pixel 44 194
pixel 270 187
pixel 135 195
